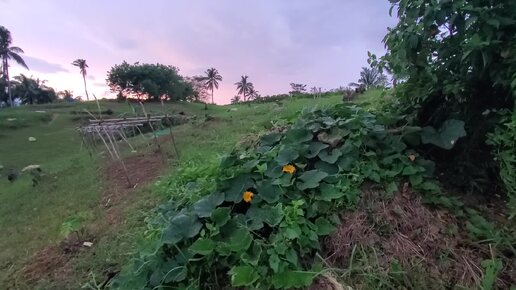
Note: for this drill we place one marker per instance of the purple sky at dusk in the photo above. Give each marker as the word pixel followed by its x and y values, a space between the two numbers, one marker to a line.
pixel 321 43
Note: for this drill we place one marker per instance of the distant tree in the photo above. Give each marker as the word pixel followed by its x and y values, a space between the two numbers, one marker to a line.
pixel 8 52
pixel 33 91
pixel 150 81
pixel 81 64
pixel 370 78
pixel 244 86
pixel 297 88
pixel 200 90
pixel 212 80
pixel 252 94
pixel 66 95
pixel 235 99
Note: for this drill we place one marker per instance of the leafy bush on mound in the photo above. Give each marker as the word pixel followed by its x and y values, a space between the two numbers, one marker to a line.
pixel 257 219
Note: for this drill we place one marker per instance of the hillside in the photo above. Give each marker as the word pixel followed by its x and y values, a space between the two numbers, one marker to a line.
pixel 71 197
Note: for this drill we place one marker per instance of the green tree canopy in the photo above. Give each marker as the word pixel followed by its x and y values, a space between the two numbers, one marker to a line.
pixel 148 81
pixel 33 91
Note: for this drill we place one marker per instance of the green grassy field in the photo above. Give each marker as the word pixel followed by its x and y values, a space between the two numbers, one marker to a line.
pixel 70 193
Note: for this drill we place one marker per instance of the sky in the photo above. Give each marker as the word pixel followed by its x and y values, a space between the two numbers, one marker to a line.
pixel 321 43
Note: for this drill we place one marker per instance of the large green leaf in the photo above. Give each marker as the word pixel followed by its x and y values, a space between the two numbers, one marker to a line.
pixel 181 226
pixel 270 193
pixel 311 179
pixel 202 246
pixel 243 276
pixel 315 148
pixel 329 192
pixel 324 227
pixel 253 254
pixel 220 216
pixel 330 156
pixel 240 240
pixel 446 136
pixel 270 139
pixel 237 186
pixel 287 155
pixel 205 206
pixel 296 136
pixel 292 279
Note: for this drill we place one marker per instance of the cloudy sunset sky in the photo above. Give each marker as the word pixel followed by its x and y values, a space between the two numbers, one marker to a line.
pixel 316 42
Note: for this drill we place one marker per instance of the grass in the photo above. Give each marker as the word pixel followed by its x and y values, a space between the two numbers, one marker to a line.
pixel 71 190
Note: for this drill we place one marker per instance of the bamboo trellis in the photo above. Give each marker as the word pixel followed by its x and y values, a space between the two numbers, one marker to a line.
pixel 110 132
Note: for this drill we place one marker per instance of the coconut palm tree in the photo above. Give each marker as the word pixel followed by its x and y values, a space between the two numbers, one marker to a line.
pixel 33 90
pixel 8 52
pixel 244 86
pixel 370 78
pixel 212 80
pixel 81 64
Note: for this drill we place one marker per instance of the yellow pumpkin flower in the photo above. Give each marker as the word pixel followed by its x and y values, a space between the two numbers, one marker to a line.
pixel 248 196
pixel 290 169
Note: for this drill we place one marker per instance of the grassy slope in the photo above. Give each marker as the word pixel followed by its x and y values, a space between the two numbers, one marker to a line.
pixel 32 218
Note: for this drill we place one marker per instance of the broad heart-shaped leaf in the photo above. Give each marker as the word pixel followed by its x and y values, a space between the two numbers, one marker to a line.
pixel 237 186
pixel 273 170
pixel 446 136
pixel 346 162
pixel 270 139
pixel 253 254
pixel 205 206
pixel 181 226
pixel 297 136
pixel 330 156
pixel 311 179
pixel 287 155
pixel 329 192
pixel 220 216
pixel 315 148
pixel 243 276
pixel 240 240
pixel 272 215
pixel 324 227
pixel 202 247
pixel 331 169
pixel 270 193
pixel 292 279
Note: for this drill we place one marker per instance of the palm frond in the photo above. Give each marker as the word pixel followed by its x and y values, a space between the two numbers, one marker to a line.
pixel 18 59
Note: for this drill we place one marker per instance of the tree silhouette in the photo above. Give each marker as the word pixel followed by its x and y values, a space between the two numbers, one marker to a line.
pixel 8 52
pixel 244 86
pixel 212 80
pixel 370 78
pixel 81 64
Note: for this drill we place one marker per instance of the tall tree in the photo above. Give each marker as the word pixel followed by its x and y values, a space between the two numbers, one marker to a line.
pixel 8 52
pixel 81 64
pixel 370 78
pixel 212 80
pixel 244 86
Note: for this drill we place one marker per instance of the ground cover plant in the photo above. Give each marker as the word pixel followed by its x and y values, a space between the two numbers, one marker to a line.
pixel 256 219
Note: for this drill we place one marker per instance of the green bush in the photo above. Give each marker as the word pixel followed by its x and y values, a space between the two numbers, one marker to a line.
pixel 504 140
pixel 256 220
pixel 455 59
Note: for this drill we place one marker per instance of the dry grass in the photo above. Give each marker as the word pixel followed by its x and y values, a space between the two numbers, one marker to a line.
pixel 403 230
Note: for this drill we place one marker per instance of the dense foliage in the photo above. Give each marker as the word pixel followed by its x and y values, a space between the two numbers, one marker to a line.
pixel 148 81
pixel 256 220
pixel 455 59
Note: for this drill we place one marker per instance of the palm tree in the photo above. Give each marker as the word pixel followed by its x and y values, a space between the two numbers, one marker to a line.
pixel 8 52
pixel 31 90
pixel 212 80
pixel 244 86
pixel 370 77
pixel 66 95
pixel 81 64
